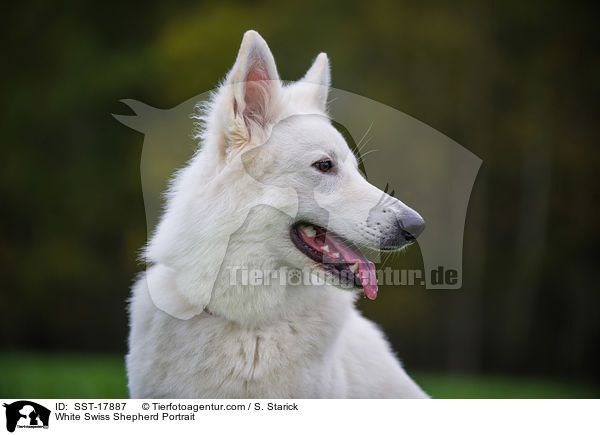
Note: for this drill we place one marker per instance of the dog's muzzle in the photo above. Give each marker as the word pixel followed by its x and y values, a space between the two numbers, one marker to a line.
pixel 398 227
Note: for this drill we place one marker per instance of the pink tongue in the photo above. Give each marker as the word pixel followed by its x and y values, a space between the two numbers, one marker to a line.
pixel 366 269
pixel 368 278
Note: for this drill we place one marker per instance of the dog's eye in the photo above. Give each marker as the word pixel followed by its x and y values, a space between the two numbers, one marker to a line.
pixel 323 165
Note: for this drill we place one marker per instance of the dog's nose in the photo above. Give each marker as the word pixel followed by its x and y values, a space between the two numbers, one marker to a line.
pixel 405 228
pixel 396 223
pixel 413 225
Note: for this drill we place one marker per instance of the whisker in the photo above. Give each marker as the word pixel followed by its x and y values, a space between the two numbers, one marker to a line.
pixel 366 154
pixel 362 147
pixel 364 135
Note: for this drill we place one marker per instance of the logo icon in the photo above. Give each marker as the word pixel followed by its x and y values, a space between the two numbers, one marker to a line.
pixel 26 414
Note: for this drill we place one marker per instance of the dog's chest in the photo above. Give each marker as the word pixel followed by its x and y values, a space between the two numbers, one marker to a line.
pixel 230 361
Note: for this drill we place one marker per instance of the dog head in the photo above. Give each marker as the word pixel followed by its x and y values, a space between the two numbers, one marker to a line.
pixel 273 186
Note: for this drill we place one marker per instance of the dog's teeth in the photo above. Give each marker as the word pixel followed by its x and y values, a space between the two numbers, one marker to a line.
pixel 353 268
pixel 309 230
pixel 325 248
pixel 335 254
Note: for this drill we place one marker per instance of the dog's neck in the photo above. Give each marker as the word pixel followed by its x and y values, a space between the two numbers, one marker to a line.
pixel 321 303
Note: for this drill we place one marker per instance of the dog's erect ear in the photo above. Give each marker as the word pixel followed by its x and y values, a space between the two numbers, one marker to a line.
pixel 319 76
pixel 255 84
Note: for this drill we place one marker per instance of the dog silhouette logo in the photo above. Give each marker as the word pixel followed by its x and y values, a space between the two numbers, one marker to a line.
pixel 26 414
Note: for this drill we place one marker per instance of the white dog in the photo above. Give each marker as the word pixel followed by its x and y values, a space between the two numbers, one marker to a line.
pixel 273 187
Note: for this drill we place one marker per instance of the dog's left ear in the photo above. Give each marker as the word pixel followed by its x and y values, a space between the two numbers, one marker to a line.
pixel 316 82
pixel 256 86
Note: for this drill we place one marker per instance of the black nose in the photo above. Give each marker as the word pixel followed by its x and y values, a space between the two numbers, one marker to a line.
pixel 405 229
pixel 412 226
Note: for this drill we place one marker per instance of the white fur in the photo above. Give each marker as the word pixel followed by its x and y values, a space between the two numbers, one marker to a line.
pixel 233 206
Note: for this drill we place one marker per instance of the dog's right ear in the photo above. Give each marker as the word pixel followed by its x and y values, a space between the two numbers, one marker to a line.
pixel 255 91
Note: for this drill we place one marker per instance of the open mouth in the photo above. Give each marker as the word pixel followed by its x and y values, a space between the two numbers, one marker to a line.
pixel 337 256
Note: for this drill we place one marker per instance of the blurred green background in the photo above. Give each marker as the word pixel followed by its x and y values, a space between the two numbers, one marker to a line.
pixel 514 82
